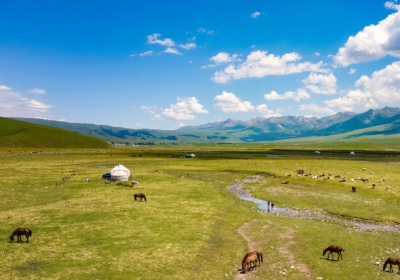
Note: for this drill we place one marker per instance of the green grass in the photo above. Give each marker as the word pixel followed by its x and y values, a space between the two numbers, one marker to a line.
pixel 187 228
pixel 15 133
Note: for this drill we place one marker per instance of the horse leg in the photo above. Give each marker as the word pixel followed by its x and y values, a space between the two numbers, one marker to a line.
pixel 391 269
pixel 18 236
pixel 27 237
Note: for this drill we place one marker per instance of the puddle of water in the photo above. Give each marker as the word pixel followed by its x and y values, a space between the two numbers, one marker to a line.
pixel 102 166
pixel 262 204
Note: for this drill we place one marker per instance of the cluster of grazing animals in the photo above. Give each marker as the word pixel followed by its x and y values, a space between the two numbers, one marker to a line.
pixel 285 182
pixel 250 259
pixel 19 232
pixel 333 249
pixel 388 188
pixel 342 181
pixel 373 186
pixel 139 195
pixel 353 189
pixel 391 261
pixel 337 176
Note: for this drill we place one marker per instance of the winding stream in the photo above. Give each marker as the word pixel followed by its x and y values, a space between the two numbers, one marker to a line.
pixel 355 224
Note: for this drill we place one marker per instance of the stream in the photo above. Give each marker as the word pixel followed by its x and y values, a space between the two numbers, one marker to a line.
pixel 355 224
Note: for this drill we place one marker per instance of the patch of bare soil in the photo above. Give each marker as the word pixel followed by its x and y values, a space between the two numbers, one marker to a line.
pixel 284 250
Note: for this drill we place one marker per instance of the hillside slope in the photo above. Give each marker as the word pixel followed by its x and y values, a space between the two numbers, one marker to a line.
pixel 14 133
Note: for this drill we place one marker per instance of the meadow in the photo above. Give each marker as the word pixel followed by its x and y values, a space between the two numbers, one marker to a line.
pixel 188 228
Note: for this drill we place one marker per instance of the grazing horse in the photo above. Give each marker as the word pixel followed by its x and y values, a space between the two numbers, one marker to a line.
pixel 19 232
pixel 250 260
pixel 140 195
pixel 391 261
pixel 259 257
pixel 353 189
pixel 333 249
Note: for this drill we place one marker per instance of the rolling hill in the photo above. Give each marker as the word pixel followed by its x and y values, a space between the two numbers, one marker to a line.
pixel 376 121
pixel 15 133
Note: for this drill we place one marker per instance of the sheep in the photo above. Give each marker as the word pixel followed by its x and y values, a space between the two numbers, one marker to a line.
pixel 352 180
pixel 87 180
pixel 388 188
pixel 285 182
pixel 314 177
pixel 321 175
pixel 364 169
pixel 330 178
pixel 337 176
pixel 342 181
pixel 372 173
pixel 330 174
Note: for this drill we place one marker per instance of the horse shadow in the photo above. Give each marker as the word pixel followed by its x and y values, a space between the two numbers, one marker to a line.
pixel 328 259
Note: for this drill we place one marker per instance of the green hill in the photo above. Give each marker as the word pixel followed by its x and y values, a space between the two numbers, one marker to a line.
pixel 14 133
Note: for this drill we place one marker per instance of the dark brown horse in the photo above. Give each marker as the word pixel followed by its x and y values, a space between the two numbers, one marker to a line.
pixel 391 261
pixel 140 195
pixel 19 232
pixel 257 253
pixel 333 249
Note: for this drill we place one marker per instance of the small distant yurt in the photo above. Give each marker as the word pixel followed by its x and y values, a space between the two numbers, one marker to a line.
pixel 352 153
pixel 317 152
pixel 190 156
pixel 120 173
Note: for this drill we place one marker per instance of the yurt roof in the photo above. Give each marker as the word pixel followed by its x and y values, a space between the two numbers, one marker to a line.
pixel 119 173
pixel 120 167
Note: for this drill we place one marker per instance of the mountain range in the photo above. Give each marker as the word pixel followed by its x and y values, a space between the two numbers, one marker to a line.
pixel 378 121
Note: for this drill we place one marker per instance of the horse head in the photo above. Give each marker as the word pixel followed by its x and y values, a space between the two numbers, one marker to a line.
pixel 11 238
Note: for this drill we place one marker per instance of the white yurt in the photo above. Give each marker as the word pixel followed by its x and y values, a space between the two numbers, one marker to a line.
pixel 352 153
pixel 120 173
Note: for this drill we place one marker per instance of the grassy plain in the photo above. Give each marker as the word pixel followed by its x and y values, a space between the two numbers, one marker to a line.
pixel 187 228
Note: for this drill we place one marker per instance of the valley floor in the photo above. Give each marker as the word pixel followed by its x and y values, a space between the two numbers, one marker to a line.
pixel 192 227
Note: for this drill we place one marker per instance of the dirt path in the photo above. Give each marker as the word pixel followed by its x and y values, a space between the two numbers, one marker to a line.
pixel 284 250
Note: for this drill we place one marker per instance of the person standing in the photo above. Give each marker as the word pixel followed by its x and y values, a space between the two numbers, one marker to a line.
pixel 272 206
pixel 268 205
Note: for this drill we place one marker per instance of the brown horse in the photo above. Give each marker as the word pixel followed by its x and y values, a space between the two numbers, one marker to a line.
pixel 140 195
pixel 249 261
pixel 19 232
pixel 333 249
pixel 257 253
pixel 391 261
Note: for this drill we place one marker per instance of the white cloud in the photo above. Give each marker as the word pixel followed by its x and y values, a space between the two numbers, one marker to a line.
pixel 181 125
pixel 185 109
pixel 37 91
pixel 190 61
pixel 230 103
pixel 258 64
pixel 299 94
pixel 132 55
pixel 392 5
pixel 315 108
pixel 192 39
pixel 263 109
pixel 188 46
pixel 255 14
pixel 316 54
pixel 146 53
pixel 153 39
pixel 211 32
pixel 50 118
pixel 352 71
pixel 172 50
pixel 373 42
pixel 151 110
pixel 201 29
pixel 224 57
pixel 15 104
pixel 319 83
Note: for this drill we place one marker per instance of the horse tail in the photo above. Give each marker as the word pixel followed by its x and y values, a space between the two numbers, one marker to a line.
pixel 385 264
pixel 134 197
pixel 261 257
pixel 144 198
pixel 30 232
pixel 343 250
pixel 244 259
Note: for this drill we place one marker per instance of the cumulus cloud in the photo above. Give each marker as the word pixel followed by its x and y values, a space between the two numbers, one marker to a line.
pixel 230 103
pixel 188 46
pixel 153 39
pixel 185 109
pixel 299 94
pixel 172 50
pixel 352 71
pixel 15 104
pixel 37 91
pixel 322 84
pixel 255 14
pixel 263 109
pixel 258 64
pixel 151 110
pixel 224 57
pixel 181 125
pixel 146 53
pixel 373 42
pixel 316 54
pixel 315 108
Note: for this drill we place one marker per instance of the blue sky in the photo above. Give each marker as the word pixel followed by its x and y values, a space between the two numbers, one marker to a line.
pixel 105 62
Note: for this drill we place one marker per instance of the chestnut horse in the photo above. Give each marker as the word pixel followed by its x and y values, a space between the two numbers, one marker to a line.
pixel 391 261
pixel 257 253
pixel 333 249
pixel 140 195
pixel 250 260
pixel 19 232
